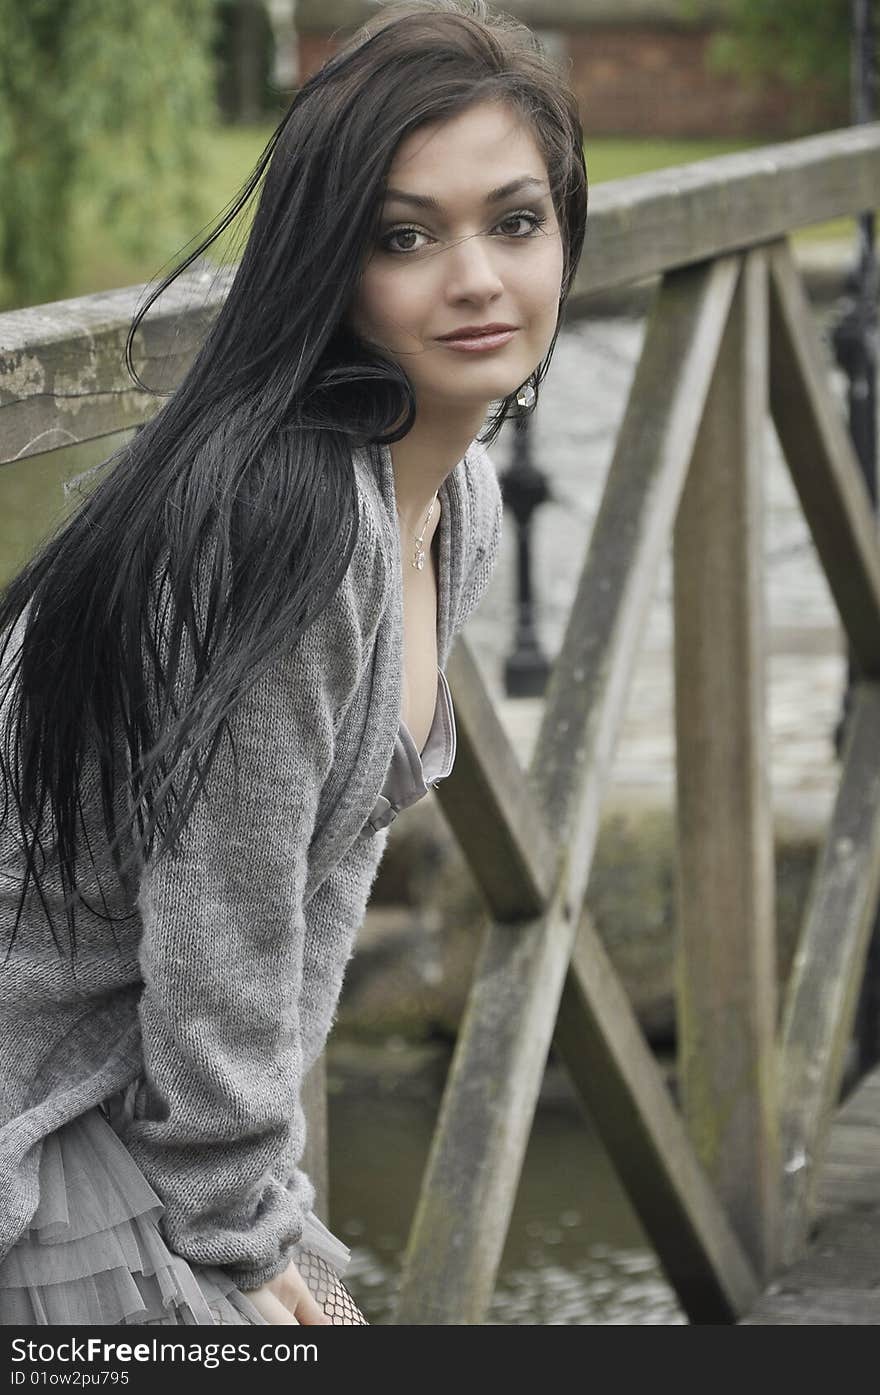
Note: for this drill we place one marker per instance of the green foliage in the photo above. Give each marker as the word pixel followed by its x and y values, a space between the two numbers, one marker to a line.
pixel 801 41
pixel 107 101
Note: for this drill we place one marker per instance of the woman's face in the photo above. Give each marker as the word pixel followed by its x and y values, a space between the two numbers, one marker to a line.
pixel 473 256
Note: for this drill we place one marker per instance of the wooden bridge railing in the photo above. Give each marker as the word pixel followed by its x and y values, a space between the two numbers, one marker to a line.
pixel 725 1188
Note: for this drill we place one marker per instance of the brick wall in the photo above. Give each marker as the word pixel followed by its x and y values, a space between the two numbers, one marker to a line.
pixel 314 49
pixel 638 81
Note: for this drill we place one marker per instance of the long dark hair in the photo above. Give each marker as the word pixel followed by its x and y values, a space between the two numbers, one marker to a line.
pixel 207 544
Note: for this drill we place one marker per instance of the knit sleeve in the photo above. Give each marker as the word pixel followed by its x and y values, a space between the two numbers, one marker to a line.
pixel 334 916
pixel 219 1128
pixel 488 513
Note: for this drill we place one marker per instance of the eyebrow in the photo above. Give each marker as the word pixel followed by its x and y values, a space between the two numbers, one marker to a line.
pixel 526 181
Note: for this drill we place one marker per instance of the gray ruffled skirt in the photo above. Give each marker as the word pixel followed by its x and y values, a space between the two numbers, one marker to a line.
pixel 94 1253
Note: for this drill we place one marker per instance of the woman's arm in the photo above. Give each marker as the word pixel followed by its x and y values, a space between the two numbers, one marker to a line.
pixel 220 1127
pixel 334 916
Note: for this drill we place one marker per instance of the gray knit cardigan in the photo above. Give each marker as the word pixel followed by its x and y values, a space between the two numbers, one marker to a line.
pixel 230 955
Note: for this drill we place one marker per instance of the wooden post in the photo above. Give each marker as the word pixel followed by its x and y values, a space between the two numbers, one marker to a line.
pixel 726 973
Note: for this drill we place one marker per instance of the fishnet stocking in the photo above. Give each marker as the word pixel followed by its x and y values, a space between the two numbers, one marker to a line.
pixel 329 1290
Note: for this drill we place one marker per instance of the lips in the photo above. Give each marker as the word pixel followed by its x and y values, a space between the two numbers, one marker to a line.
pixel 486 342
pixel 477 331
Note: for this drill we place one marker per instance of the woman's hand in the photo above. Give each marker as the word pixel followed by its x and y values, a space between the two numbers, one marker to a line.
pixel 286 1299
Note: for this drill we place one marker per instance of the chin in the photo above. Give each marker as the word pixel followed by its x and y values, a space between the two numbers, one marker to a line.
pixel 477 387
pixel 475 401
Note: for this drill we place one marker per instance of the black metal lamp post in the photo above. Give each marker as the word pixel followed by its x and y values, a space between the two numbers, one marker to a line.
pixel 855 335
pixel 524 488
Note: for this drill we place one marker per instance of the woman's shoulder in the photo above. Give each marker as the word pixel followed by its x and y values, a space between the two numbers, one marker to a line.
pixel 485 503
pixel 484 489
pixel 481 464
pixel 485 507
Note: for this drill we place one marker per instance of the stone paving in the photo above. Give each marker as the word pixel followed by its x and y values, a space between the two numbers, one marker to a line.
pixel 582 402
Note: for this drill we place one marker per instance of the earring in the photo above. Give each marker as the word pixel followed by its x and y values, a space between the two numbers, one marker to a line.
pixel 526 395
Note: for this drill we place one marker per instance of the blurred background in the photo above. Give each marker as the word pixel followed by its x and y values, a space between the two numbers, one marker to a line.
pixel 126 127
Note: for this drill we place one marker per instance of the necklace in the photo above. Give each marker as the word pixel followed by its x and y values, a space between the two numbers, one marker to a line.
pixel 418 559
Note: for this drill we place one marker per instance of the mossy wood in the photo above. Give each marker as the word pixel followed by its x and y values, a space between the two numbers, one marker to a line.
pixel 725 951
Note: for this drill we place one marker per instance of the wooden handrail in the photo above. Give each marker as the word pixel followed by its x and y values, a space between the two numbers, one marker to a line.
pixel 650 223
pixel 62 375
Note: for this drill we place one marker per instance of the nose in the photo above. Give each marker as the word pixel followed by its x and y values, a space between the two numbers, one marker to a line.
pixel 471 272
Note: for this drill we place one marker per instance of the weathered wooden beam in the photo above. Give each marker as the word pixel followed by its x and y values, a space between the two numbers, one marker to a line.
pixel 822 461
pixel 488 802
pixel 650 223
pixel 485 1119
pixel 725 945
pixel 586 692
pixel 822 991
pixel 849 1178
pixel 63 377
pixel 611 1065
pixel 487 1109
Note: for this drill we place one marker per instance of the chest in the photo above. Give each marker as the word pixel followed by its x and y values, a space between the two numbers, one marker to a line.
pixel 419 693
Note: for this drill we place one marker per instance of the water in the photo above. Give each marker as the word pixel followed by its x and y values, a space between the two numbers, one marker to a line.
pixel 575 1251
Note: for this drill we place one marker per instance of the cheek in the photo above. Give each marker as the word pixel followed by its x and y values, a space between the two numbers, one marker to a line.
pixel 547 281
pixel 385 299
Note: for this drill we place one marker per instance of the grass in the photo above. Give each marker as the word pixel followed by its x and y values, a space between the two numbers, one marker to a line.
pixel 231 152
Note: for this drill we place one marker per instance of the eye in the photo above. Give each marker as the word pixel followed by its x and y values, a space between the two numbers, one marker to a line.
pixel 533 221
pixel 385 239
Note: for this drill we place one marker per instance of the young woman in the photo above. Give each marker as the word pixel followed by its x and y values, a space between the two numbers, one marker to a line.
pixel 224 677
